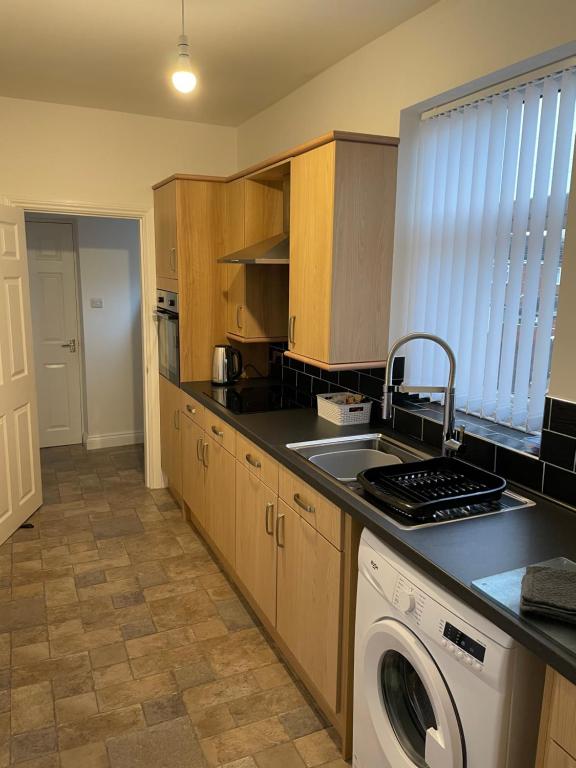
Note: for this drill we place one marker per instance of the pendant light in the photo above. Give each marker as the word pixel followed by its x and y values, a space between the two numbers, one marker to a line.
pixel 183 79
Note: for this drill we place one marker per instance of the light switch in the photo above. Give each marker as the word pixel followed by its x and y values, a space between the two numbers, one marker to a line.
pixel 96 303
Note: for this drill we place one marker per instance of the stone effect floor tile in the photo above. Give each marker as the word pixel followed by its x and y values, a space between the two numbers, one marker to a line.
pixel 124 645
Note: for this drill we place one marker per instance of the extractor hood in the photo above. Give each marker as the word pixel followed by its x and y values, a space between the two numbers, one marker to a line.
pixel 274 250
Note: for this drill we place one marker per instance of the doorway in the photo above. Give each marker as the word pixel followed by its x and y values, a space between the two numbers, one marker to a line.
pixel 86 311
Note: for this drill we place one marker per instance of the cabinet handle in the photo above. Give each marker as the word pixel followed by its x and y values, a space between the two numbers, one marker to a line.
pixel 205 455
pixel 302 504
pixel 268 520
pixel 239 310
pixel 217 432
pixel 280 527
pixel 291 324
pixel 199 449
pixel 177 419
pixel 172 258
pixel 254 462
pixel 190 409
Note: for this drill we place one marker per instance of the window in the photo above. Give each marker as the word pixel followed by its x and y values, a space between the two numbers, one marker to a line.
pixel 484 241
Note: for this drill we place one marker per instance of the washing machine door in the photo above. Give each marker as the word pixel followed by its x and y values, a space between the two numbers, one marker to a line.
pixel 411 708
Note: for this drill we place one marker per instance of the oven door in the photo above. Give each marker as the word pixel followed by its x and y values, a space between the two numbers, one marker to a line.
pixel 168 346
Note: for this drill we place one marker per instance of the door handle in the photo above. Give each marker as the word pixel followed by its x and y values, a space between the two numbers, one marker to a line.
pixel 254 462
pixel 280 526
pixel 190 409
pixel 71 345
pixel 268 521
pixel 239 310
pixel 172 257
pixel 199 449
pixel 291 324
pixel 302 504
pixel 177 419
pixel 217 432
pixel 205 455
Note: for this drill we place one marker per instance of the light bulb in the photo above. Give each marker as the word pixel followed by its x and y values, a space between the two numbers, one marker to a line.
pixel 184 80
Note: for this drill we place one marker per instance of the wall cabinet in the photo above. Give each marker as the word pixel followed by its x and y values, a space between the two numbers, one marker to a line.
pixel 342 204
pixel 257 301
pixel 170 421
pixel 557 739
pixel 165 233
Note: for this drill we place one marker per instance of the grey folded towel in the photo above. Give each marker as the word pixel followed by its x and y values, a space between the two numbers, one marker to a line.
pixel 550 590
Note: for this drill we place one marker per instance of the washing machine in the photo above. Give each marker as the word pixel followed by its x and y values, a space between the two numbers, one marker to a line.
pixel 436 685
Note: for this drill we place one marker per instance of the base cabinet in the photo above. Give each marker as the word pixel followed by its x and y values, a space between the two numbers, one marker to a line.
pixel 308 606
pixel 220 505
pixel 256 509
pixel 557 739
pixel 193 467
pixel 170 420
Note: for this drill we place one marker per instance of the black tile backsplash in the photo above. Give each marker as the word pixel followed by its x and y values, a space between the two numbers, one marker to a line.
pixel 548 466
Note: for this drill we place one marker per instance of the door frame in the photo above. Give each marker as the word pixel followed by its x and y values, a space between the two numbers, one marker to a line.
pixel 51 218
pixel 145 217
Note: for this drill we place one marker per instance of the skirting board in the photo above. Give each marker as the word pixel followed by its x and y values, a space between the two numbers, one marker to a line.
pixel 112 440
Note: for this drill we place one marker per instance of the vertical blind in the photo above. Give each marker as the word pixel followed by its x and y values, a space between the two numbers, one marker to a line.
pixel 484 245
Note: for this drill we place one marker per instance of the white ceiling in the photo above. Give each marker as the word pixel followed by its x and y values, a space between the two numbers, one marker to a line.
pixel 118 54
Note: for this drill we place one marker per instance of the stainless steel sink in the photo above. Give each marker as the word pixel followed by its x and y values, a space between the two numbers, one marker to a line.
pixel 345 457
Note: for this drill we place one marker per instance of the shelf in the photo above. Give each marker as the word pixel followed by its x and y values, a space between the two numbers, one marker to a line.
pixel 257 339
pixel 336 366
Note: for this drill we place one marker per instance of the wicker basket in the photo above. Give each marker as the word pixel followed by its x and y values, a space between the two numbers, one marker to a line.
pixel 341 413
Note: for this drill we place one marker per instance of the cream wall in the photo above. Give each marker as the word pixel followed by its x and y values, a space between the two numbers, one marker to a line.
pixel 449 44
pixel 59 153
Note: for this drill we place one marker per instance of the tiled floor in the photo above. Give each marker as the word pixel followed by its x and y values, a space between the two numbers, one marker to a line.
pixel 122 645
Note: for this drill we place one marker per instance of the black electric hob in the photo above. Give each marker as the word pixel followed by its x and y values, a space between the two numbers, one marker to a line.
pixel 255 397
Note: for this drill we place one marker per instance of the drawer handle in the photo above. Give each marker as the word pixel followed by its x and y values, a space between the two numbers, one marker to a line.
pixel 280 541
pixel 190 409
pixel 254 462
pixel 205 455
pixel 302 504
pixel 199 449
pixel 217 432
pixel 268 519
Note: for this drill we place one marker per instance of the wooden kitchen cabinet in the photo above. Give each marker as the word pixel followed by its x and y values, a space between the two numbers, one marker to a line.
pixel 193 467
pixel 557 738
pixel 257 300
pixel 256 508
pixel 308 606
pixel 342 203
pixel 189 231
pixel 220 505
pixel 170 421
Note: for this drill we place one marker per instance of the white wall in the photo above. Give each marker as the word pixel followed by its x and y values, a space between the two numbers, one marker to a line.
pixel 109 251
pixel 55 152
pixel 449 44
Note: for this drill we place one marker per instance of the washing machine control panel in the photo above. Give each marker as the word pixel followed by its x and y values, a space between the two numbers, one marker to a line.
pixel 408 599
pixel 463 644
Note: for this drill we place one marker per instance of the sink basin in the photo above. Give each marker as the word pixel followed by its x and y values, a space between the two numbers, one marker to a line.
pixel 345 465
pixel 345 457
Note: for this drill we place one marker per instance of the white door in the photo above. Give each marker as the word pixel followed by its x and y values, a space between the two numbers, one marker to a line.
pixel 55 325
pixel 20 478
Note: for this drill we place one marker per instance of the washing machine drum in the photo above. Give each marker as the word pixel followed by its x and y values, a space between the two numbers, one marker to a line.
pixel 412 710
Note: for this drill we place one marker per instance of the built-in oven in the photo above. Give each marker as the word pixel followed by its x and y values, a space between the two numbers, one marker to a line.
pixel 168 335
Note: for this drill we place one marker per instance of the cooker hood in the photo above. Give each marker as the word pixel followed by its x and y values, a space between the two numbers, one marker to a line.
pixel 274 250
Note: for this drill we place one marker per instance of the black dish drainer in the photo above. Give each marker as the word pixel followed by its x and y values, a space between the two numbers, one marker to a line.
pixel 421 488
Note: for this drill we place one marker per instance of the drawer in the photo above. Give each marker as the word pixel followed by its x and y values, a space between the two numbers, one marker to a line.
pixel 257 462
pixel 563 714
pixel 312 506
pixel 193 409
pixel 220 431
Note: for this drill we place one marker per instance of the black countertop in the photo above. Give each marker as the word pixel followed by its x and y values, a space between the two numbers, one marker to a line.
pixel 454 555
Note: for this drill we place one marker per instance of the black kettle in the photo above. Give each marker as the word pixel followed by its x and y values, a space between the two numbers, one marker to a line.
pixel 226 364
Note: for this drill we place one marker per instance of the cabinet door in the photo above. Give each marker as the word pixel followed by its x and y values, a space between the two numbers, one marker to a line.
pixel 221 498
pixel 193 471
pixel 309 600
pixel 311 239
pixel 170 434
pixel 256 507
pixel 165 231
pixel 557 758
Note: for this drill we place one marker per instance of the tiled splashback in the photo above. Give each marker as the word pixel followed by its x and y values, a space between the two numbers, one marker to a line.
pixel 549 468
